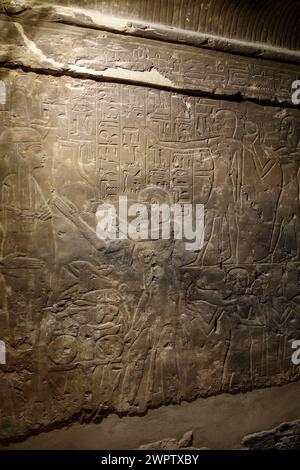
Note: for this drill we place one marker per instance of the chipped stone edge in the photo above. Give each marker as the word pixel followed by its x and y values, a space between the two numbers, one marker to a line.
pixel 43 64
pixel 80 16
pixel 269 434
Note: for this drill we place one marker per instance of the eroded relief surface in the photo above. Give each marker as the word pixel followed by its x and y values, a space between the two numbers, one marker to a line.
pixel 88 53
pixel 92 328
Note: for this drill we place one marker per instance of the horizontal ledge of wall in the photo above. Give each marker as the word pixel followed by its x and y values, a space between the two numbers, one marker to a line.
pixel 87 53
pixel 206 417
pixel 208 35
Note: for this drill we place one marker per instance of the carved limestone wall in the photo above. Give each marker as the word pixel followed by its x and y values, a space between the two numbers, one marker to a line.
pixel 92 328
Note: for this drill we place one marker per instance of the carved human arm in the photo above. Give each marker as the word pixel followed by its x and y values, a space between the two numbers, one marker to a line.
pixel 213 297
pixel 71 212
pixel 261 169
pixel 20 261
pixel 207 327
pixel 248 322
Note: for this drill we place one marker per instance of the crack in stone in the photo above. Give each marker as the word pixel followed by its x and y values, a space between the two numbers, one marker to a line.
pixel 152 76
pixel 88 18
pixel 83 73
pixel 34 49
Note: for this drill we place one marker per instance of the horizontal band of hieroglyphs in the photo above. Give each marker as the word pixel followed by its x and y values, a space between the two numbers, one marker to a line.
pixel 105 55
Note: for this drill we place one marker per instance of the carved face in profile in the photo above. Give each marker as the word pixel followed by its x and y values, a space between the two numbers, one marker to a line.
pixel 146 256
pixel 34 154
pixel 286 131
pixel 27 144
pixel 168 335
pixel 237 281
pixel 106 313
pixel 261 288
pixel 251 132
pixel 224 124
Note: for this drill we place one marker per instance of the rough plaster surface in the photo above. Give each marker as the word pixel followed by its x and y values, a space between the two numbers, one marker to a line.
pixel 94 329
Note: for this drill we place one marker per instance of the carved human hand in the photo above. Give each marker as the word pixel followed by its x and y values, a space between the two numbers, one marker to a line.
pixel 105 269
pixel 131 336
pixel 20 261
pixel 235 316
pixel 44 213
pixel 66 208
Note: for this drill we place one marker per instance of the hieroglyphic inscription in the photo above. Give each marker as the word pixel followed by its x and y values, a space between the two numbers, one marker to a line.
pixel 107 55
pixel 92 327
